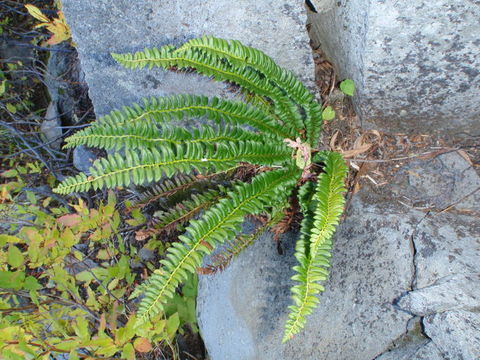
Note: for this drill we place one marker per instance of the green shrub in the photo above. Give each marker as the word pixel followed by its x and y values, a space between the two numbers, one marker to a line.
pixel 66 281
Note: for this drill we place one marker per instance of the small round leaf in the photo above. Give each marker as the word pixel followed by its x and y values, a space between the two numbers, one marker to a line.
pixel 328 113
pixel 348 87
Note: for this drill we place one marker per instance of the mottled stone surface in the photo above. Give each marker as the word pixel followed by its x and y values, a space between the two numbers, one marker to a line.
pixel 102 27
pixel 439 183
pixel 457 292
pixel 446 245
pixel 83 158
pixel 455 333
pixel 321 6
pixel 356 318
pixel 415 63
pixel 428 352
pixel 446 285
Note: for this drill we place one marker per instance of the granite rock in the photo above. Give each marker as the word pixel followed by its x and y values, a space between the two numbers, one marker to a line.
pixel 415 63
pixel 429 351
pixel 83 158
pixel 102 27
pixel 455 333
pixel 443 181
pixel 446 245
pixel 51 126
pixel 457 292
pixel 321 6
pixel 242 313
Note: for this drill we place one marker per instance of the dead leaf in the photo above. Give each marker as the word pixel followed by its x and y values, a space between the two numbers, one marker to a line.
pixel 464 154
pixel 142 235
pixel 333 140
pixel 142 345
pixel 356 151
pixel 69 220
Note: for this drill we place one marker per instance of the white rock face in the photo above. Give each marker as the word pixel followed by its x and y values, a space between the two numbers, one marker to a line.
pixel 322 6
pixel 456 292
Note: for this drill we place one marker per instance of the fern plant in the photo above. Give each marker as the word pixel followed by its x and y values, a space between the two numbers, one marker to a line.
pixel 276 128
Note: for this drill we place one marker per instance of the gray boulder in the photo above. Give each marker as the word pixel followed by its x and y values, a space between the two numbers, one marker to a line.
pixel 415 63
pixel 456 292
pixel 439 183
pixel 445 290
pixel 321 6
pixel 83 158
pixel 455 333
pixel 102 27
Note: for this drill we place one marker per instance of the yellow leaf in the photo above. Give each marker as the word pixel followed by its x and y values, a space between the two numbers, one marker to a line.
pixel 40 25
pixel 36 13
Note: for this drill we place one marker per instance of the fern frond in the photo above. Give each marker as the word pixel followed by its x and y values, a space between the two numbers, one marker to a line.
pixel 148 165
pixel 217 225
pixel 211 66
pixel 234 247
pixel 180 107
pixel 140 134
pixel 313 123
pixel 314 246
pixel 242 56
pixel 169 220
pixel 168 187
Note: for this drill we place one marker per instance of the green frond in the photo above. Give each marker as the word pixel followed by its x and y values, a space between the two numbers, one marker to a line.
pixel 219 223
pixel 219 70
pixel 313 250
pixel 167 187
pixel 176 183
pixel 242 56
pixel 185 210
pixel 313 123
pixel 242 241
pixel 149 135
pixel 148 165
pixel 279 128
pixel 181 107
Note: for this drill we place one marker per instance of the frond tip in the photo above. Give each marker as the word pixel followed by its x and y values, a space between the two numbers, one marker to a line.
pixel 313 249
